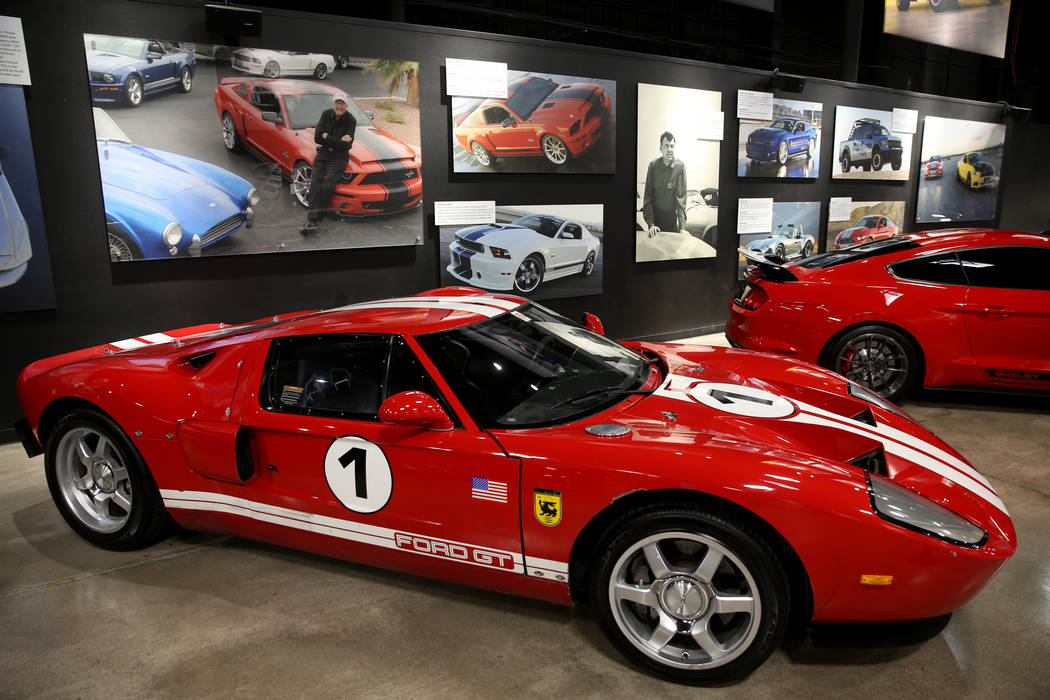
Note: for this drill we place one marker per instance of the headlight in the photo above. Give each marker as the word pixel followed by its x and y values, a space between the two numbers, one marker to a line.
pixel 172 234
pixel 108 78
pixel 253 197
pixel 499 252
pixel 908 509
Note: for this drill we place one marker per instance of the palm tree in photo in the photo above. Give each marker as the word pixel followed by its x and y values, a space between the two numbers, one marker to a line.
pixel 397 72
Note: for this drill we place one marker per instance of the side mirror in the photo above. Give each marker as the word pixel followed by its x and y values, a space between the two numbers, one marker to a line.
pixel 273 117
pixel 415 408
pixel 507 122
pixel 370 114
pixel 593 323
pixel 152 56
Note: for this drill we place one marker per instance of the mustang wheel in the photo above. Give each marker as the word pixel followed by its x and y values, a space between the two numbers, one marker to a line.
pixel 481 154
pixel 121 249
pixel 782 153
pixel 878 357
pixel 846 165
pixel 876 159
pixel 529 274
pixel 300 186
pixel 555 149
pixel 343 61
pixel 133 91
pixel 690 595
pixel 321 71
pixel 230 138
pixel 101 485
pixel 272 70
pixel 187 80
pixel 588 265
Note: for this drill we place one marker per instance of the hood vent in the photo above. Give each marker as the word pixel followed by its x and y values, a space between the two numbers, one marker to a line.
pixel 874 462
pixel 866 416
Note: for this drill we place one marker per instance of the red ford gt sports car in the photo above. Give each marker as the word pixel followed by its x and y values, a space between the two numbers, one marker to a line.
pixel 275 120
pixel 698 496
pixel 953 308
pixel 538 117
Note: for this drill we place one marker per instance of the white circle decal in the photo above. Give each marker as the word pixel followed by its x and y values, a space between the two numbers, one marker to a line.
pixel 358 474
pixel 742 400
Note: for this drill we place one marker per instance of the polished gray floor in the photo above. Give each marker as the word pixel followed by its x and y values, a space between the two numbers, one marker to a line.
pixel 206 616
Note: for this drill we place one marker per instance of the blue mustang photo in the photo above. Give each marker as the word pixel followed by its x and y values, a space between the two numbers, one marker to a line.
pixel 781 140
pixel 121 69
pixel 159 204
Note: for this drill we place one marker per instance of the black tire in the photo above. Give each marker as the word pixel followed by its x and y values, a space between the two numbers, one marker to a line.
pixel 876 159
pixel 896 163
pixel 133 92
pixel 121 247
pixel 779 252
pixel 807 249
pixel 272 69
pixel 528 275
pixel 321 71
pixel 714 557
pixel 186 81
pixel 845 162
pixel 101 485
pixel 230 138
pixel 942 5
pixel 903 5
pixel 879 357
pixel 782 153
pixel 588 264
pixel 342 62
pixel 482 155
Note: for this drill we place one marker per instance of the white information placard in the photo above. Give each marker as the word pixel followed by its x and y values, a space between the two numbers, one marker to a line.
pixel 710 126
pixel 469 212
pixel 840 208
pixel 754 215
pixel 466 78
pixel 14 66
pixel 751 104
pixel 905 121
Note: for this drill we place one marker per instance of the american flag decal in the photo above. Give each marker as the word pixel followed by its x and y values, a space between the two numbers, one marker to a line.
pixel 488 490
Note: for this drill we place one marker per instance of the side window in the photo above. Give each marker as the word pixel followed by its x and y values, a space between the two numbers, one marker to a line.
pixel 265 100
pixel 406 373
pixel 940 269
pixel 495 114
pixel 573 230
pixel 326 375
pixel 242 90
pixel 1008 267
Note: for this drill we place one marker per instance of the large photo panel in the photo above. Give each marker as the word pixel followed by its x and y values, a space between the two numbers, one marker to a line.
pixel 962 162
pixel 795 232
pixel 211 150
pixel 676 215
pixel 868 221
pixel 540 251
pixel 548 123
pixel 866 149
pixel 786 147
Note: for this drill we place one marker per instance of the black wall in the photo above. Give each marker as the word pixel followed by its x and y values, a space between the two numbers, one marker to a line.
pixel 99 302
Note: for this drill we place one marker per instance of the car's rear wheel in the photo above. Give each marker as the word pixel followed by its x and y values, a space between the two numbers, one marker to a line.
pixel 300 186
pixel 121 248
pixel 186 82
pixel 782 153
pixel 133 91
pixel 555 149
pixel 588 264
pixel 691 595
pixel 878 357
pixel 845 162
pixel 529 274
pixel 481 154
pixel 903 5
pixel 230 138
pixel 101 484
pixel 807 249
pixel 321 71
pixel 272 69
pixel 342 61
pixel 942 5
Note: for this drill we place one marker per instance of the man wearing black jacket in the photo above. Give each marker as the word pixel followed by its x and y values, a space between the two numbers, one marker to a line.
pixel 334 135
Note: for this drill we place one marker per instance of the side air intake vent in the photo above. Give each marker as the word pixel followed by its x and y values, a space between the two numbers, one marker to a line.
pixel 199 360
pixel 874 462
pixel 866 416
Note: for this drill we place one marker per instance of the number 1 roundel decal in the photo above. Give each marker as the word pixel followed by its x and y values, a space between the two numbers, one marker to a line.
pixel 358 474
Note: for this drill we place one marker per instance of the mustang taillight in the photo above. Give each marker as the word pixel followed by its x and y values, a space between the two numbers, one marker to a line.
pixel 751 297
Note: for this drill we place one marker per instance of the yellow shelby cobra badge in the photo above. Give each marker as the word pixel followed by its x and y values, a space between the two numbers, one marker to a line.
pixel 547 505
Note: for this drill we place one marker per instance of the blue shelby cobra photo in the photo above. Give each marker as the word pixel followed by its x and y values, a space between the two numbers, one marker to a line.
pixel 160 204
pixel 121 69
pixel 781 140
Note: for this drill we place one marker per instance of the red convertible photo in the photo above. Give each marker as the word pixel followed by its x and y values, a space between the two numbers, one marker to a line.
pixel 275 120
pixel 539 117
pixel 951 308
pixel 697 498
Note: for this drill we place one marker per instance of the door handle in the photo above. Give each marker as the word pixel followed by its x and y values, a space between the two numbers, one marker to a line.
pixel 1001 311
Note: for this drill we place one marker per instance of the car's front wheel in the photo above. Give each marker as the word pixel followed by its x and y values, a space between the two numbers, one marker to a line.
pixel 779 252
pixel 481 154
pixel 186 82
pixel 844 161
pixel 555 149
pixel 782 153
pixel 133 91
pixel 811 148
pixel 101 484
pixel 121 248
pixel 692 595
pixel 321 71
pixel 272 69
pixel 876 159
pixel 230 138
pixel 300 186
pixel 528 275
pixel 878 357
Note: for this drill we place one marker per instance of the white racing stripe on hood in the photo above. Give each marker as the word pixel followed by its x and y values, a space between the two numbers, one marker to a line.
pixel 485 306
pixel 478 309
pixel 128 344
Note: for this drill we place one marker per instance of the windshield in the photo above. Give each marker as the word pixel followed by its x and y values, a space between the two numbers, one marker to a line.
pixel 529 94
pixel 305 110
pixel 546 225
pixel 135 48
pixel 106 129
pixel 531 367
pixel 873 249
pixel 868 221
pixel 785 124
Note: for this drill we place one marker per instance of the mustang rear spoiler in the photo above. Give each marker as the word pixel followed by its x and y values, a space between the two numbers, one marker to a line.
pixel 772 271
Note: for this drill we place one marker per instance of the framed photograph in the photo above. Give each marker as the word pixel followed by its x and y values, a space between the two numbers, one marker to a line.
pixel 786 147
pixel 795 234
pixel 866 149
pixel 547 124
pixel 971 25
pixel 962 162
pixel 676 215
pixel 211 150
pixel 868 221
pixel 540 251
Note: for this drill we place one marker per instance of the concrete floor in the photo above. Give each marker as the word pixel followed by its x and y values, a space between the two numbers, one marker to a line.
pixel 202 615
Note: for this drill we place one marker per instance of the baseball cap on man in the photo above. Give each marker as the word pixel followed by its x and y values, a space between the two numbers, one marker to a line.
pixel 341 97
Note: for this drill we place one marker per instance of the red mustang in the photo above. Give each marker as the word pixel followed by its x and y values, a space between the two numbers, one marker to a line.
pixel 941 308
pixel 275 119
pixel 698 497
pixel 539 116
pixel 869 228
